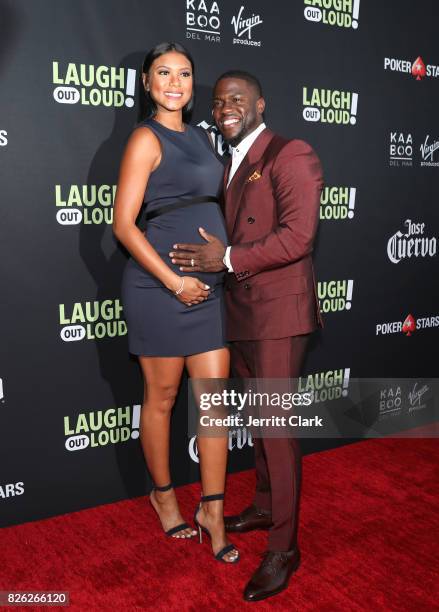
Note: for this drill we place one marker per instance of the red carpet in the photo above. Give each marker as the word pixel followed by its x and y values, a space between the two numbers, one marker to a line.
pixel 369 540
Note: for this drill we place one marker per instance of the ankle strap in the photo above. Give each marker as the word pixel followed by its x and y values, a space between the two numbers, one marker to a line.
pixel 165 488
pixel 206 498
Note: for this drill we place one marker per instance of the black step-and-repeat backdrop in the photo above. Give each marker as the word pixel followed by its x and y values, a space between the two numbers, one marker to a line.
pixel 358 80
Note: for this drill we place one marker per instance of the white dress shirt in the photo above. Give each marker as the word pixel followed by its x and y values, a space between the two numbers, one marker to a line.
pixel 241 150
pixel 238 154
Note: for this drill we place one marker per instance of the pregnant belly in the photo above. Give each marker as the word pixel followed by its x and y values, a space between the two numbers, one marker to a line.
pixel 181 226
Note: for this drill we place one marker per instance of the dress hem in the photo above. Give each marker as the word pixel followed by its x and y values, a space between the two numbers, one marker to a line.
pixel 215 348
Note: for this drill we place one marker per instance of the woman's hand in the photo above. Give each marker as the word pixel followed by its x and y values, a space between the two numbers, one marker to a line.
pixel 193 291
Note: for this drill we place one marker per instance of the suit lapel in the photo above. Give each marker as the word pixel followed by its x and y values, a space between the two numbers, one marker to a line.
pixel 233 192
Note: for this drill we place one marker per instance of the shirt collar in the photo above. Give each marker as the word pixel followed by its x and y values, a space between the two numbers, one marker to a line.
pixel 242 148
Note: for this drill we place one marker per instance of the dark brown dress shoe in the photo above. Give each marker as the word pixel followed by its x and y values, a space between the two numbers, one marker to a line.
pixel 249 519
pixel 273 575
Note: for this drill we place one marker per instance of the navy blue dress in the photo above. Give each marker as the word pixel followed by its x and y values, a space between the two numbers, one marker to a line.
pixel 158 323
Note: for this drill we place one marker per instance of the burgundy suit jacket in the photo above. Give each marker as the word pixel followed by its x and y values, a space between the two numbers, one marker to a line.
pixel 272 210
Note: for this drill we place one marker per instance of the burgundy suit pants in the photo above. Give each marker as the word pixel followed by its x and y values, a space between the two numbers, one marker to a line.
pixel 278 461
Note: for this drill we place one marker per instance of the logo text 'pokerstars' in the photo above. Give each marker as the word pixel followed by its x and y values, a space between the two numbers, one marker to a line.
pixel 329 106
pixel 337 203
pixel 416 68
pixel 408 326
pixel 3 138
pixel 11 489
pixel 91 320
pixel 341 13
pixel 89 204
pixel 91 85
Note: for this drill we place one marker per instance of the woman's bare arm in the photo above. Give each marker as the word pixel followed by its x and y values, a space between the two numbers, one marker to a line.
pixel 142 155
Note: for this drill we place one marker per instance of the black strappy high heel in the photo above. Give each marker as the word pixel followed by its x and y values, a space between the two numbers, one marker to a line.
pixel 177 528
pixel 219 555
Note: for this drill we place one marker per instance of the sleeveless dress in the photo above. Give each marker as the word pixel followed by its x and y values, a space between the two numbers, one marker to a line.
pixel 158 323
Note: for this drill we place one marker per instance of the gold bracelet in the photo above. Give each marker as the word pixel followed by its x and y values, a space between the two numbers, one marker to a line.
pixel 180 289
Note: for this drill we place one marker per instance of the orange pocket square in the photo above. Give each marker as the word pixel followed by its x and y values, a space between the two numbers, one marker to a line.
pixel 254 177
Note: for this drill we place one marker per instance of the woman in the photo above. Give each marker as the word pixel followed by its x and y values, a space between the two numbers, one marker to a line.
pixel 174 321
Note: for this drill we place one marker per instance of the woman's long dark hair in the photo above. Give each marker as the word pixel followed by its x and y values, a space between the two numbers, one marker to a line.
pixel 148 107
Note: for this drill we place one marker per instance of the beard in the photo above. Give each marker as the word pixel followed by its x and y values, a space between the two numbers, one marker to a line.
pixel 248 125
pixel 243 132
pixel 234 142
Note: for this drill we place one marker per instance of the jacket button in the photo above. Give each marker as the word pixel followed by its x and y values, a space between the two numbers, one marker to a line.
pixel 247 286
pixel 251 220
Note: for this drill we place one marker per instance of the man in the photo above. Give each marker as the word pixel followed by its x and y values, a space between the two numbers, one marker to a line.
pixel 272 197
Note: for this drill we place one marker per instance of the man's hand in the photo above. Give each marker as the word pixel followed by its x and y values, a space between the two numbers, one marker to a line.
pixel 204 257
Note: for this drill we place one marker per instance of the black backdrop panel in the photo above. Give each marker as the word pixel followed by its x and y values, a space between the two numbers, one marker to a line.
pixel 70 394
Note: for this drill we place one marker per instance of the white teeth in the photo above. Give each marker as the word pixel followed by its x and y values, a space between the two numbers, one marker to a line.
pixel 173 95
pixel 230 121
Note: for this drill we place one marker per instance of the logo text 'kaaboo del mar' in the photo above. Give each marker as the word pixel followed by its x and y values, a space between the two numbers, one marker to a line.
pixel 401 149
pixel 93 85
pixel 203 20
pixel 330 106
pixel 341 13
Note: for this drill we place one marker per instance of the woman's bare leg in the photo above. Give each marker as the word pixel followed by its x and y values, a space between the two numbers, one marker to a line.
pixel 213 452
pixel 162 377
